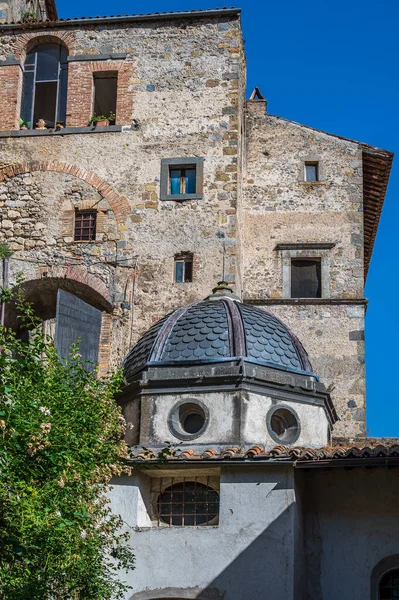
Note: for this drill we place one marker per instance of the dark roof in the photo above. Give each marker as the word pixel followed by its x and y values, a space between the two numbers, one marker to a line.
pixel 54 21
pixel 372 453
pixel 215 330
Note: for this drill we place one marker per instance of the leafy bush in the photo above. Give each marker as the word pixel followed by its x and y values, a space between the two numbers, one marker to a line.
pixel 61 441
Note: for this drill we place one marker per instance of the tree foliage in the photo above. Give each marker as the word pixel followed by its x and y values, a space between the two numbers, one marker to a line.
pixel 61 441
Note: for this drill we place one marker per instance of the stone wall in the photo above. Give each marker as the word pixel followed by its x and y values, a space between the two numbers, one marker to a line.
pixel 184 85
pixel 279 207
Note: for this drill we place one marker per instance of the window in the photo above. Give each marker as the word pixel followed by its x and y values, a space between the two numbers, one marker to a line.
pixel 85 225
pixel 184 268
pixel 45 82
pixel 181 179
pixel 188 420
pixel 283 425
pixel 311 171
pixel 389 586
pixel 188 503
pixel 105 92
pixel 306 278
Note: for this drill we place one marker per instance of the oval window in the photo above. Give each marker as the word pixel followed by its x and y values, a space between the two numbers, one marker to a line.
pixel 283 425
pixel 188 420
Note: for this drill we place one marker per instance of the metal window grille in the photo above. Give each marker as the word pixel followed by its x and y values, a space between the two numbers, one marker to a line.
pixel 389 586
pixel 305 278
pixel 185 503
pixel 85 225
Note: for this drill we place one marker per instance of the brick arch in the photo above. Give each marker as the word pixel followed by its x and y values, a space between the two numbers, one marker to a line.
pixel 27 41
pixel 118 204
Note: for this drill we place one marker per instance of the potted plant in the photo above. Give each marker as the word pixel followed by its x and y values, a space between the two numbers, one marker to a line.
pixel 102 120
pixel 99 121
pixel 59 125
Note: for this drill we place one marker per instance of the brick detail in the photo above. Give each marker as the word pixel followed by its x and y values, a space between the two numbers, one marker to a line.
pixel 10 96
pixel 81 90
pixel 25 42
pixel 119 204
pixel 105 345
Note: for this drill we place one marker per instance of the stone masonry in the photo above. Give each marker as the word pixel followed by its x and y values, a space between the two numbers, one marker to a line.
pixel 181 93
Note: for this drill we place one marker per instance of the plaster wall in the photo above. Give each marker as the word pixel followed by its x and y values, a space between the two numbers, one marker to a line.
pixel 234 419
pixel 248 553
pixel 351 524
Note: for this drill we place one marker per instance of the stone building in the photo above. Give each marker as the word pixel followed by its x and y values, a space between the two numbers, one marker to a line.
pixel 134 174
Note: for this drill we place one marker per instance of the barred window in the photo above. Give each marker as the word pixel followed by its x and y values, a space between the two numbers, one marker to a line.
pixel 389 585
pixel 85 225
pixel 188 503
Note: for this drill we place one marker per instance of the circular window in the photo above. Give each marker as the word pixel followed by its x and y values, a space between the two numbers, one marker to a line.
pixel 283 424
pixel 188 420
pixel 188 503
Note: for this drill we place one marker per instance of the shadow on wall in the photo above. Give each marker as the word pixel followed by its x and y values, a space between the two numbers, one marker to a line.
pixel 264 569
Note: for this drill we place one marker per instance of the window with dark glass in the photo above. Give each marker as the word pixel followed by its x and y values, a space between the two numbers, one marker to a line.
pixel 389 586
pixel 45 82
pixel 105 92
pixel 184 268
pixel 311 171
pixel 188 503
pixel 305 278
pixel 85 225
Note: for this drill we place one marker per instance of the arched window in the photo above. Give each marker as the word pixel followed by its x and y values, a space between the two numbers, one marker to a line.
pixel 188 503
pixel 45 85
pixel 389 586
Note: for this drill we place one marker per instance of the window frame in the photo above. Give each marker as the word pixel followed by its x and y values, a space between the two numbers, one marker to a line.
pixel 312 163
pixel 387 564
pixel 306 251
pixel 184 258
pixel 183 163
pixel 97 75
pixel 61 81
pixel 81 213
pixel 314 259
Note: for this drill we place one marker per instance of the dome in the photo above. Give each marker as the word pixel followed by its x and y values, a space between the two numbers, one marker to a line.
pixel 216 329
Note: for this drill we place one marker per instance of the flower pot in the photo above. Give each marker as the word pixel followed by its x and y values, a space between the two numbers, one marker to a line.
pixel 59 126
pixel 23 128
pixel 103 123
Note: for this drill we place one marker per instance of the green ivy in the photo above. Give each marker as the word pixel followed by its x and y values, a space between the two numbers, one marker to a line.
pixel 61 443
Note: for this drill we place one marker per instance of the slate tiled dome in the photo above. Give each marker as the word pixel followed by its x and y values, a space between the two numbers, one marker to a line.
pixel 216 329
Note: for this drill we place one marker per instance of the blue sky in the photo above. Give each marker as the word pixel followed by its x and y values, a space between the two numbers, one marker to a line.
pixel 332 65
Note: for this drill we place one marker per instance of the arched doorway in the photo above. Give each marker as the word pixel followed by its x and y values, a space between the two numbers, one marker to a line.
pixel 70 311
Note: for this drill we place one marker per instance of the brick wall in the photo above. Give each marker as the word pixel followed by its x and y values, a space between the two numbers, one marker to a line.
pixel 10 96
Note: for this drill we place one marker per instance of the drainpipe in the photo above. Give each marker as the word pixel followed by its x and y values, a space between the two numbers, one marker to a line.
pixel 5 285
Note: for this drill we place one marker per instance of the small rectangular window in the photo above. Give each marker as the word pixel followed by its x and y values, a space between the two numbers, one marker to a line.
pixel 182 178
pixel 105 93
pixel 85 225
pixel 183 268
pixel 306 278
pixel 182 181
pixel 312 171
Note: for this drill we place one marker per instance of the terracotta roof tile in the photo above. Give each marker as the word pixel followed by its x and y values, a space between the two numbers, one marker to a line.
pixel 372 450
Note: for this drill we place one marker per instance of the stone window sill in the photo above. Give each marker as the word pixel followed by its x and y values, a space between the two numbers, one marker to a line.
pixel 66 131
